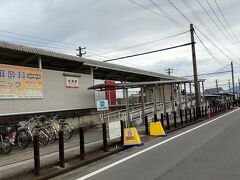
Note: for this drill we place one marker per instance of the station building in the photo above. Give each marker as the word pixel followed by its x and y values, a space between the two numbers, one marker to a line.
pixel 34 80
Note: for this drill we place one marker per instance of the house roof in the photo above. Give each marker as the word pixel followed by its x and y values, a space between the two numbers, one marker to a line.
pixel 213 91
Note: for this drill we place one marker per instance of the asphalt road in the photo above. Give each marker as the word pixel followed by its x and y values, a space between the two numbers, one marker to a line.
pixel 207 150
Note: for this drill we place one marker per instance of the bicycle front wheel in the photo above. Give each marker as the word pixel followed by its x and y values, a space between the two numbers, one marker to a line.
pixel 67 131
pixel 52 134
pixel 23 138
pixel 43 137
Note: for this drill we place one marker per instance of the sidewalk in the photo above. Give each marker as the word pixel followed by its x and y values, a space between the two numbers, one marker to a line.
pixel 21 161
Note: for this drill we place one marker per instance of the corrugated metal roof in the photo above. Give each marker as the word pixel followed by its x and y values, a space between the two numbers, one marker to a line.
pixel 117 67
pixel 87 62
pixel 38 51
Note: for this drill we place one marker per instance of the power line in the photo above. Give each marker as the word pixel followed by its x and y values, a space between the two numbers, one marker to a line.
pixel 224 53
pixel 175 7
pixel 144 7
pixel 168 16
pixel 146 43
pixel 40 45
pixel 208 51
pixel 62 43
pixel 35 37
pixel 221 72
pixel 177 23
pixel 53 48
pixel 31 41
pixel 186 19
pixel 221 22
pixel 214 21
pixel 213 43
pixel 226 20
pixel 195 26
pixel 149 52
pixel 198 18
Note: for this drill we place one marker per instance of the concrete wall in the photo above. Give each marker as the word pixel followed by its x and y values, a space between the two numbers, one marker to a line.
pixel 90 120
pixel 56 95
pixel 159 95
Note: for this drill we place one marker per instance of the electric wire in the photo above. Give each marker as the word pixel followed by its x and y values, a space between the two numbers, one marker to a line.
pixel 144 7
pixel 214 22
pixel 225 54
pixel 222 23
pixel 198 18
pixel 168 16
pixel 212 73
pixel 145 43
pixel 198 28
pixel 35 37
pixel 225 19
pixel 207 50
pixel 149 52
pixel 153 2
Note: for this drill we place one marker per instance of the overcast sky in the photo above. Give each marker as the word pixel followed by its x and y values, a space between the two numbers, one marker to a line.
pixel 110 29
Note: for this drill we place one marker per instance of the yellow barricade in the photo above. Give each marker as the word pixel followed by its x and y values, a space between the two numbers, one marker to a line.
pixel 156 129
pixel 131 137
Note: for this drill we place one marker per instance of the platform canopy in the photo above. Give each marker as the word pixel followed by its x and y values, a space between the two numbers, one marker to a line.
pixel 103 87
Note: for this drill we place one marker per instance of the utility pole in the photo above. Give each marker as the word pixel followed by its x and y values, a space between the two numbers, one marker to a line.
pixel 238 87
pixel 80 53
pixel 233 81
pixel 217 85
pixel 229 86
pixel 169 71
pixel 196 85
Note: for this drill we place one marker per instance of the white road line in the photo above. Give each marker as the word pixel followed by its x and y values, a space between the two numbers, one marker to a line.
pixel 149 148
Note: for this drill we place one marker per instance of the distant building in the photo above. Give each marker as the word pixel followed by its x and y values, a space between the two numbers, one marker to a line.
pixel 216 96
pixel 213 91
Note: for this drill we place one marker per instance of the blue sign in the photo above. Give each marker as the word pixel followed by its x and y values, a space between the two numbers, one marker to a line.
pixel 102 105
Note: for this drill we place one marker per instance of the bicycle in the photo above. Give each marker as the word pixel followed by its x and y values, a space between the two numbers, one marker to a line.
pixel 50 131
pixel 61 125
pixel 25 135
pixel 5 143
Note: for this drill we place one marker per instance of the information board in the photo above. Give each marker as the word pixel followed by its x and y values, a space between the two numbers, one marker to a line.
pixel 114 130
pixel 20 82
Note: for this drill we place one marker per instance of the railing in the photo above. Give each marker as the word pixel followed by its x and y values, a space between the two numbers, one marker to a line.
pixel 137 113
pixel 181 118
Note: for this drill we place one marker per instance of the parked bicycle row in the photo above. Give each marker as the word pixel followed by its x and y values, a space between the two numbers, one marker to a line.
pixel 47 129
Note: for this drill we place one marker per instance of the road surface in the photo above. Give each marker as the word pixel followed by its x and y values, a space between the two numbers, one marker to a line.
pixel 207 150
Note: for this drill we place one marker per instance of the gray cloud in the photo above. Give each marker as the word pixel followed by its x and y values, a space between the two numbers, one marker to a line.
pixel 107 25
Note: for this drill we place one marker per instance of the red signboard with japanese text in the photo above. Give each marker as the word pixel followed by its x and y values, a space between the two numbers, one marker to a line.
pixel 20 82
